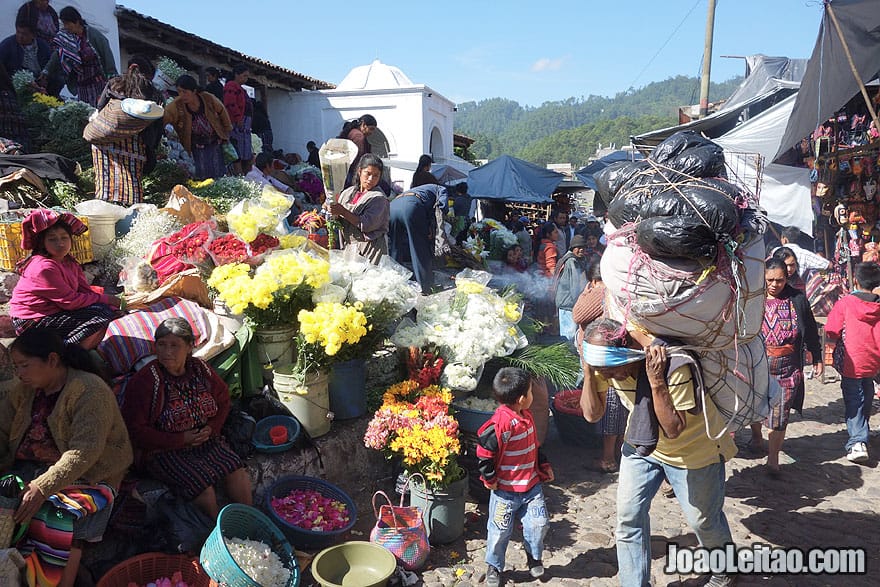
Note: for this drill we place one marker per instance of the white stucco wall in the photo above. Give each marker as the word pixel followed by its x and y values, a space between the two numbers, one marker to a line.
pixel 97 13
pixel 406 117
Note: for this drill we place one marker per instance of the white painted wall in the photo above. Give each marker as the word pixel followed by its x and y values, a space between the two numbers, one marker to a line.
pixel 97 13
pixel 406 116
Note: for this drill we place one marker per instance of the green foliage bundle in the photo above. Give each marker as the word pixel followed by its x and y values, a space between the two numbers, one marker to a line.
pixel 159 182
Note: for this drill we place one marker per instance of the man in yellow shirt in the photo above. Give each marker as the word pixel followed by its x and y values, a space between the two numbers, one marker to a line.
pixel 670 433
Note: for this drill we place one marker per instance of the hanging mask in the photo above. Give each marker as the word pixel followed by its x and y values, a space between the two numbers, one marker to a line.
pixel 844 166
pixel 857 166
pixel 870 188
pixel 821 189
pixel 841 214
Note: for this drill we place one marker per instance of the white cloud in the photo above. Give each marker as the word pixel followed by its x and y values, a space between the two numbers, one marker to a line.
pixel 547 64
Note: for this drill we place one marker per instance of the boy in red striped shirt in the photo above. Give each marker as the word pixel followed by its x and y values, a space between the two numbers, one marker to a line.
pixel 513 468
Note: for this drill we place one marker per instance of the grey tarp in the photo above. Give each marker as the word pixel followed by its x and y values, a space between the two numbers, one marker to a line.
pixel 829 83
pixel 513 180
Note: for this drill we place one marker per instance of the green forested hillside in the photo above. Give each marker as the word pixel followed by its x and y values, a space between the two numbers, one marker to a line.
pixel 569 131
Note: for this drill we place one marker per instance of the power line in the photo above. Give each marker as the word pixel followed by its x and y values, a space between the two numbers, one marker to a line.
pixel 663 46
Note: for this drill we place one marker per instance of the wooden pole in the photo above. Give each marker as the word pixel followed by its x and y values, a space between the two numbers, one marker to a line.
pixel 707 60
pixel 852 65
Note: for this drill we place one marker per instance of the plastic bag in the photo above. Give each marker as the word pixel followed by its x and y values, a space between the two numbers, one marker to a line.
pixel 677 144
pixel 230 155
pixel 101 208
pixel 186 207
pixel 701 202
pixel 611 179
pixel 137 276
pixel 702 161
pixel 676 236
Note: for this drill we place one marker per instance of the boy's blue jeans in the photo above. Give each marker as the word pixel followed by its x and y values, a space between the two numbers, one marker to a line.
pixel 857 397
pixel 699 491
pixel 506 508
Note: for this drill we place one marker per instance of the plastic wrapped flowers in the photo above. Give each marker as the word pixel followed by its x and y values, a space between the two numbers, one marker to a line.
pixel 264 214
pixel 470 325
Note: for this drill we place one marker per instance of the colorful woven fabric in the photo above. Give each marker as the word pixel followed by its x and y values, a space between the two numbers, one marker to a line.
pixel 74 326
pixel 401 530
pixel 119 169
pixel 130 338
pixel 46 547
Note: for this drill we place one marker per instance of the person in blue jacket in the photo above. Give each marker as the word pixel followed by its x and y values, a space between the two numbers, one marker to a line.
pixel 24 50
pixel 413 227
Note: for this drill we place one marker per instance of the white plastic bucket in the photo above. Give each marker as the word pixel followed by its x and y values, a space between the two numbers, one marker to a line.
pixel 102 232
pixel 275 345
pixel 309 401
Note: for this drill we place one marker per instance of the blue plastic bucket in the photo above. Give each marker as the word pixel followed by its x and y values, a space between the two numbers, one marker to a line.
pixel 347 386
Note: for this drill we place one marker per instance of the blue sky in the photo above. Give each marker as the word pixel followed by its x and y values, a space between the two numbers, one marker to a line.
pixel 530 52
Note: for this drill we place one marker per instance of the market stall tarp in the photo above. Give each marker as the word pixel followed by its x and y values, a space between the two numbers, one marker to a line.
pixel 513 180
pixel 769 79
pixel 585 174
pixel 829 83
pixel 785 192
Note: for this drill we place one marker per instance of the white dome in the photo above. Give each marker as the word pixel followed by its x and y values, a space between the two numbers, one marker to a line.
pixel 375 76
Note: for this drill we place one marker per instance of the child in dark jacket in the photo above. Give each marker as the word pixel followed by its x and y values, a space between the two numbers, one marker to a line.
pixel 513 468
pixel 854 325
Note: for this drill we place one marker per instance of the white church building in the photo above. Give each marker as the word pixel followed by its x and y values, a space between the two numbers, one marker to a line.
pixel 413 119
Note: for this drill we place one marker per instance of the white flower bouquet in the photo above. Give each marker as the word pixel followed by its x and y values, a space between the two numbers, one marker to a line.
pixel 259 562
pixel 470 325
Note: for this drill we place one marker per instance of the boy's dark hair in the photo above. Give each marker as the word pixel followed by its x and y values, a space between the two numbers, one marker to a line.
pixel 510 384
pixel 791 233
pixel 867 275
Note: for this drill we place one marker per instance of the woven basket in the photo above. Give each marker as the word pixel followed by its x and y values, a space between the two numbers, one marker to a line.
pixel 146 568
pixel 300 537
pixel 241 521
pixel 572 426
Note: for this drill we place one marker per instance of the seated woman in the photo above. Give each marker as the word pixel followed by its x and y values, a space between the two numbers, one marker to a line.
pixel 53 293
pixel 175 407
pixel 61 432
pixel 513 258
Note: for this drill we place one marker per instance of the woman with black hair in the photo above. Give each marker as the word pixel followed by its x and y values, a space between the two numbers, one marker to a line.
pixel 82 55
pixel 41 17
pixel 52 293
pixel 364 211
pixel 122 159
pixel 423 174
pixel 358 131
pixel 202 124
pixel 62 433
pixel 241 113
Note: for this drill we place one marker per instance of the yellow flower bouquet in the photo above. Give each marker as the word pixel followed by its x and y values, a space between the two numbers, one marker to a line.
pixel 325 333
pixel 275 292
pixel 415 424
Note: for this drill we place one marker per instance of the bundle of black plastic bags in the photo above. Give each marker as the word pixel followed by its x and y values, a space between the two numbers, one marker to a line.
pixel 679 197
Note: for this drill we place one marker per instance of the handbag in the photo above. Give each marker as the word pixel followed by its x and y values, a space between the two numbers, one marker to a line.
pixel 230 155
pixel 11 489
pixel 401 530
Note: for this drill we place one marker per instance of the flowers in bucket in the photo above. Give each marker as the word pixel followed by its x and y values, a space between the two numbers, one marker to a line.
pixel 470 325
pixel 415 424
pixel 274 293
pixel 324 333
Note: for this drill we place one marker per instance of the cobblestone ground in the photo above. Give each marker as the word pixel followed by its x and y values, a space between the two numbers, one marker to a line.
pixel 821 500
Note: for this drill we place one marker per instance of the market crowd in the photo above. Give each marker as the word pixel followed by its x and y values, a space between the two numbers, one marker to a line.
pixel 70 442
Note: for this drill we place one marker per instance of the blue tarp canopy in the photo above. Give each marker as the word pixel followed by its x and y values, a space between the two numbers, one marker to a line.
pixel 513 180
pixel 585 174
pixel 447 174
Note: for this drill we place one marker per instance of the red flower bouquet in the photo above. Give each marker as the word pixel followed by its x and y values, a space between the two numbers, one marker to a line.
pixel 228 249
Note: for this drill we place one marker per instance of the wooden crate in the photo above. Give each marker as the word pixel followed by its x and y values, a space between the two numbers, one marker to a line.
pixel 11 251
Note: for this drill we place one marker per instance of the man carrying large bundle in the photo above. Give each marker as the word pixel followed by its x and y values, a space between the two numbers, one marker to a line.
pixel 665 437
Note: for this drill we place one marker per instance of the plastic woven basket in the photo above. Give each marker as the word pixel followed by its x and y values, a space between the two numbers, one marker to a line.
pixel 570 423
pixel 241 521
pixel 469 420
pixel 263 443
pixel 146 568
pixel 301 537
